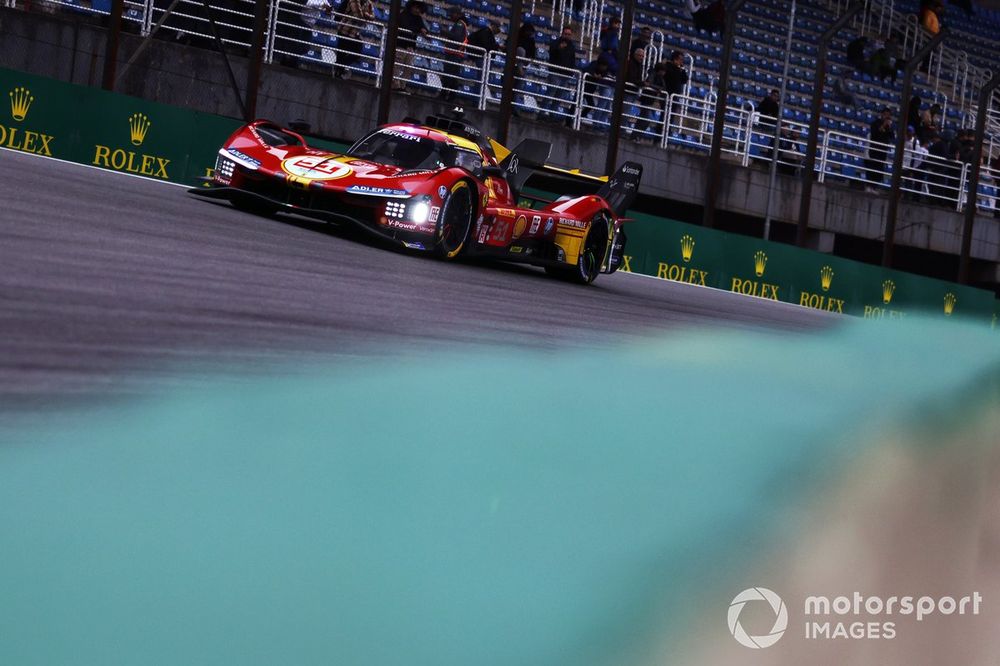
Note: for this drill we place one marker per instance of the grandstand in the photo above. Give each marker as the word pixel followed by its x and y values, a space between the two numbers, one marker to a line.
pixel 546 92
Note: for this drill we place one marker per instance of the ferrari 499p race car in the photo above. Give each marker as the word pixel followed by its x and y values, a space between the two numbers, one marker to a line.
pixel 436 186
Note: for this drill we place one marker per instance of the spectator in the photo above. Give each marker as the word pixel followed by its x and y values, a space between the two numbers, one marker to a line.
pixel 856 53
pixel 652 99
pixel 944 179
pixel 454 54
pixel 913 157
pixel 884 62
pixel 608 42
pixel 881 132
pixel 598 90
pixel 358 14
pixel 967 144
pixel 930 122
pixel 768 110
pixel 633 84
pixel 641 41
pixel 769 105
pixel 710 17
pixel 913 113
pixel 562 53
pixel 526 42
pixel 676 77
pixel 411 26
pixel 486 37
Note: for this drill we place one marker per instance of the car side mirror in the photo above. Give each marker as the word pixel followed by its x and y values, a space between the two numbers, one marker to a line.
pixel 494 172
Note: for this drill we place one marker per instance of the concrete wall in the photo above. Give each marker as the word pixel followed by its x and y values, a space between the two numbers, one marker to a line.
pixel 171 73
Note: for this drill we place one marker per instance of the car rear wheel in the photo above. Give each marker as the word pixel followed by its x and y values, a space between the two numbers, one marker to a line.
pixel 455 221
pixel 588 264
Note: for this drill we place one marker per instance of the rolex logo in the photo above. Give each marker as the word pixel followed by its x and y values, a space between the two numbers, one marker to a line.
pixel 759 263
pixel 138 125
pixel 687 247
pixel 20 102
pixel 888 289
pixel 825 278
pixel 949 303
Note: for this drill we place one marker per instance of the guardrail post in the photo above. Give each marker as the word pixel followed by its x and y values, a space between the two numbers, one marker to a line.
pixel 111 45
pixel 388 63
pixel 985 93
pixel 617 104
pixel 715 156
pixel 260 14
pixel 509 65
pixel 809 162
pixel 897 159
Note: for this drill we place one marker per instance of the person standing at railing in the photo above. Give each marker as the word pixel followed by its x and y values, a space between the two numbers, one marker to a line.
pixel 486 39
pixel 411 26
pixel 562 84
pixel 641 41
pixel 607 42
pixel 914 156
pixel 633 86
pixel 358 14
pixel 454 53
pixel 675 77
pixel 767 118
pixel 651 101
pixel 881 132
pixel 598 90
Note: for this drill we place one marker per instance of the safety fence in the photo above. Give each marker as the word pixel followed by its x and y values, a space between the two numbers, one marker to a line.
pixel 353 46
pixel 144 138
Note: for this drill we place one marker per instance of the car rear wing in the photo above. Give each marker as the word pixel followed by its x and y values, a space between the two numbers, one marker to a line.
pixel 622 188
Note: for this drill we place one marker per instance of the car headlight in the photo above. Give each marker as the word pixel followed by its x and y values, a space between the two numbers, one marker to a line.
pixel 419 212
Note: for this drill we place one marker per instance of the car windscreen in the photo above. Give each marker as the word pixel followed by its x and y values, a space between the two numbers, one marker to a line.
pixel 413 152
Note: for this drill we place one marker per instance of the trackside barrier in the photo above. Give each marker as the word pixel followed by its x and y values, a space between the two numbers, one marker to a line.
pixel 131 135
pixel 108 130
pixel 689 253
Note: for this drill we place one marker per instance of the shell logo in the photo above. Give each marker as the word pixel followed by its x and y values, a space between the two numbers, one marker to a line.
pixel 316 167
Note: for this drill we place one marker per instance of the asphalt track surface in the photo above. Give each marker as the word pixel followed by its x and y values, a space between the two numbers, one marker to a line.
pixel 117 285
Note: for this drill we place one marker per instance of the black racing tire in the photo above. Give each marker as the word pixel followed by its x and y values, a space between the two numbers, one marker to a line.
pixel 588 264
pixel 454 225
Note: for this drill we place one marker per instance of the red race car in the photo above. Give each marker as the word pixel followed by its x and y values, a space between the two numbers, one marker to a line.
pixel 436 186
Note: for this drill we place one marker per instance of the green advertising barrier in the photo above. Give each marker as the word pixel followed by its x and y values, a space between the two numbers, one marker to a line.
pixel 112 131
pixel 683 252
pixel 132 135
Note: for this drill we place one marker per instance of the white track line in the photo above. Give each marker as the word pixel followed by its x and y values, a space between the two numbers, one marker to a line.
pixel 96 168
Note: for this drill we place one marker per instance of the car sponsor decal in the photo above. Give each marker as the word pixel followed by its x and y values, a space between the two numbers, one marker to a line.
pixel 244 157
pixel 574 224
pixel 316 167
pixel 415 246
pixel 536 221
pixel 549 223
pixel 520 226
pixel 401 135
pixel 408 226
pixel 442 192
pixel 500 233
pixel 435 211
pixel 370 190
pixel 506 212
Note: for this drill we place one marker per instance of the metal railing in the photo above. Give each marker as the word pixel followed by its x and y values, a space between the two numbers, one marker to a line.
pixel 437 66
